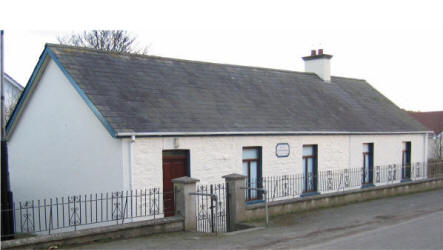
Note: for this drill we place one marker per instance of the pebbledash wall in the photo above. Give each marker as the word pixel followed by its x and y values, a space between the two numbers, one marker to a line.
pixel 211 157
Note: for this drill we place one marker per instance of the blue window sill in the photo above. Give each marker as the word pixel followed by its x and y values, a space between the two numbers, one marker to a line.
pixel 405 180
pixel 367 185
pixel 254 202
pixel 309 194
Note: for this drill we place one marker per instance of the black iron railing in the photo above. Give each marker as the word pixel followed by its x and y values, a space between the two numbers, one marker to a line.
pixel 212 213
pixel 82 211
pixel 435 169
pixel 294 185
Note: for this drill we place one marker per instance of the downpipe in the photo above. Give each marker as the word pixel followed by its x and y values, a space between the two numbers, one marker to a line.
pixel 131 162
pixel 131 166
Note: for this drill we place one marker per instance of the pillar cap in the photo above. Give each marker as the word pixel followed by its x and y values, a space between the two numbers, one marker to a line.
pixel 234 177
pixel 185 180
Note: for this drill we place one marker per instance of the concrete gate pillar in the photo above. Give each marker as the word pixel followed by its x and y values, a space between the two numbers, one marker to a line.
pixel 236 199
pixel 184 202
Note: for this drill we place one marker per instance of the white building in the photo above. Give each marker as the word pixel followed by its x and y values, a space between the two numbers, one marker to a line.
pixel 94 121
pixel 13 91
pixel 434 122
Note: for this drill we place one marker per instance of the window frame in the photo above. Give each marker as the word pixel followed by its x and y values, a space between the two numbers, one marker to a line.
pixel 305 158
pixel 406 163
pixel 370 154
pixel 259 172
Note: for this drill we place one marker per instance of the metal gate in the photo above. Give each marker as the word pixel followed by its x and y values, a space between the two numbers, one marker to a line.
pixel 212 208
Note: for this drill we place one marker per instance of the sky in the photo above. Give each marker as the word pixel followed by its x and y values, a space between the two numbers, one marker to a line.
pixel 395 45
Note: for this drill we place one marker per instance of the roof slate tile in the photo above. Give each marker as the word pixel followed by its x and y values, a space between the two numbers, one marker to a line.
pixel 153 94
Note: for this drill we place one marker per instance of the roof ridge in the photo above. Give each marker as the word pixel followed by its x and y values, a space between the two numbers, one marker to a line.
pixel 349 78
pixel 425 112
pixel 177 59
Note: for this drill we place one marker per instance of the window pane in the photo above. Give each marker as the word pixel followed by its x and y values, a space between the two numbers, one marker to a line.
pixel 367 161
pixel 366 168
pixel 254 179
pixel 175 152
pixel 245 168
pixel 245 173
pixel 310 165
pixel 308 150
pixel 254 170
pixel 365 147
pixel 250 153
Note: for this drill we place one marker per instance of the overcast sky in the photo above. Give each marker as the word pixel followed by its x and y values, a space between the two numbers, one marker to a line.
pixel 396 46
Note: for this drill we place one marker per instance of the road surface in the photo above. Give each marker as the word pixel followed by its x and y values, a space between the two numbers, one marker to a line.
pixel 424 232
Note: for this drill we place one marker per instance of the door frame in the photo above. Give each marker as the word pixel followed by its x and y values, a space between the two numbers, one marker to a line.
pixel 182 156
pixel 178 157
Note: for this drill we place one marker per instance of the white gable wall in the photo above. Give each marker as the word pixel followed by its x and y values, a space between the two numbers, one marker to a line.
pixel 215 156
pixel 59 147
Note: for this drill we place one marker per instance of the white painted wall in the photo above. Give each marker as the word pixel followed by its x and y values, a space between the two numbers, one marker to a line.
pixel 59 147
pixel 213 157
pixel 320 66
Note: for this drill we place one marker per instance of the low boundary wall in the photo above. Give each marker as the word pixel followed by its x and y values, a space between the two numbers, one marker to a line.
pixel 238 212
pixel 141 228
pixel 256 211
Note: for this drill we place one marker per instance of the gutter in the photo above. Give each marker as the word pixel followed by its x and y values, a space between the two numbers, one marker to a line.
pixel 244 133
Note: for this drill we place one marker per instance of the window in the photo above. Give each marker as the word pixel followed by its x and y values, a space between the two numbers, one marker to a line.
pixel 368 163
pixel 252 169
pixel 310 168
pixel 406 161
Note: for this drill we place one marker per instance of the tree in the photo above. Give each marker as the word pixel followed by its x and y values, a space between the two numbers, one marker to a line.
pixel 11 98
pixel 437 147
pixel 109 40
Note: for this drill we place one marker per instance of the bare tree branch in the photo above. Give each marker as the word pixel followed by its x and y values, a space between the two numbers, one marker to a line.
pixel 109 40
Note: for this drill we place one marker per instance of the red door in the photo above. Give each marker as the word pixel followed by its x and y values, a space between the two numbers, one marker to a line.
pixel 175 164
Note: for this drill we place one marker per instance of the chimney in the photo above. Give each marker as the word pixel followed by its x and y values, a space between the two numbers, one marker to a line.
pixel 319 63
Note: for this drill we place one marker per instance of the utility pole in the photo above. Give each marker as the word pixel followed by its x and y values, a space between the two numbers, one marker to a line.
pixel 2 85
pixel 6 207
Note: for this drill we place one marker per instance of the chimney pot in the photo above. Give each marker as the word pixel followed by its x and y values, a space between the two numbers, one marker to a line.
pixel 320 51
pixel 313 52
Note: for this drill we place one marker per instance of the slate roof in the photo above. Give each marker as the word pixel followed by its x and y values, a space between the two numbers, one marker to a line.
pixel 137 93
pixel 432 120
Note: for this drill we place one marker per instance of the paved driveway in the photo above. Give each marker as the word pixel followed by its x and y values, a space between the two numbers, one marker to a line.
pixel 410 218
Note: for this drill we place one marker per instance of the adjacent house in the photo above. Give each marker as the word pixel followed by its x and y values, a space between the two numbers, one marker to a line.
pixel 434 122
pixel 13 91
pixel 95 121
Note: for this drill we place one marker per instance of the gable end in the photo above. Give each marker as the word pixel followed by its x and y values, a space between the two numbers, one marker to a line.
pixel 33 81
